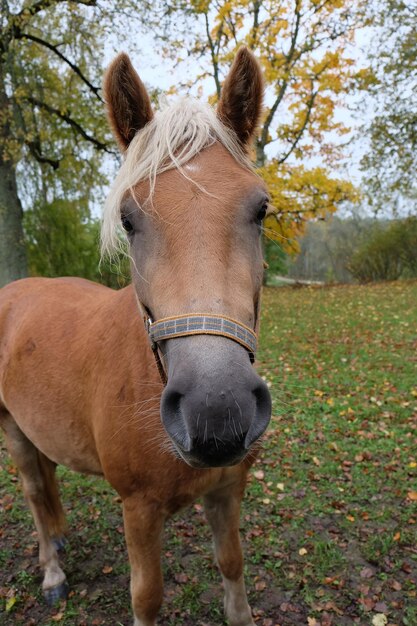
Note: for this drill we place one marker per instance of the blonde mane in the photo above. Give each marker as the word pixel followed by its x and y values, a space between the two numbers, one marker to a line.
pixel 175 135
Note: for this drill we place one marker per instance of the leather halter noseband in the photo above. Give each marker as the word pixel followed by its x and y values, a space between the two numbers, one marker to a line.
pixel 197 324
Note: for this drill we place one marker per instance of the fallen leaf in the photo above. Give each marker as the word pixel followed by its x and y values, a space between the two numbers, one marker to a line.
pixel 260 585
pixel 181 578
pixel 10 603
pixel 379 620
pixel 367 572
pixel 367 603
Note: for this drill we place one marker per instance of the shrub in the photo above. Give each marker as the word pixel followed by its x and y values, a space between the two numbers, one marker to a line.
pixel 388 253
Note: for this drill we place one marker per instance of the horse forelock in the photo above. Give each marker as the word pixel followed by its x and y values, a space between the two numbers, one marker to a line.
pixel 173 137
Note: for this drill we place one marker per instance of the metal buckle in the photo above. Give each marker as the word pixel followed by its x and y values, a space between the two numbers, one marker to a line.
pixel 148 326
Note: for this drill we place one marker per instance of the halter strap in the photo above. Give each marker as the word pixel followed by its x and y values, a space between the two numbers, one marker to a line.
pixel 197 324
pixel 203 324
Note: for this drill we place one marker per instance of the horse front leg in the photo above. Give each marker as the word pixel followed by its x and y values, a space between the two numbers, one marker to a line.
pixel 37 473
pixel 144 522
pixel 223 513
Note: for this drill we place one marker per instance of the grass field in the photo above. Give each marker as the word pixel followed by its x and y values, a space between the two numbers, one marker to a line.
pixel 329 523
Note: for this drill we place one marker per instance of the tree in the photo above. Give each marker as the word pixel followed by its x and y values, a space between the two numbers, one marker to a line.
pixel 391 161
pixel 327 247
pixel 52 134
pixel 302 46
pixel 60 241
pixel 277 259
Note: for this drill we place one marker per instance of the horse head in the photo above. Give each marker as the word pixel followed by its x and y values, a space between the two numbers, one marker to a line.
pixel 192 208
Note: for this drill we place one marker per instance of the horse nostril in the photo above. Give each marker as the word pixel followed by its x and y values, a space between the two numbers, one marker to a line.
pixel 171 401
pixel 173 420
pixel 262 414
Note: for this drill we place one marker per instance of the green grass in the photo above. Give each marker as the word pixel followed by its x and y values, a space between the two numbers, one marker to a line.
pixel 330 524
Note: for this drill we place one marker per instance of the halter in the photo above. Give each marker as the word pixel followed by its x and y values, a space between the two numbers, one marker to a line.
pixel 196 324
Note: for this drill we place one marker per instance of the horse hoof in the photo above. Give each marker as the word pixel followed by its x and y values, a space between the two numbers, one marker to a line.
pixel 56 594
pixel 59 543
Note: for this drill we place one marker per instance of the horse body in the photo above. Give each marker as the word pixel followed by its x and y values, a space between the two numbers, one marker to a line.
pixel 78 381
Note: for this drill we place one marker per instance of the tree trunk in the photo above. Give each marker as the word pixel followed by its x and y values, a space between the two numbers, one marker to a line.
pixel 13 261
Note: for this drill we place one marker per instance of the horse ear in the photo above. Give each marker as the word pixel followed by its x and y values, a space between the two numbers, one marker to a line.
pixel 241 99
pixel 128 104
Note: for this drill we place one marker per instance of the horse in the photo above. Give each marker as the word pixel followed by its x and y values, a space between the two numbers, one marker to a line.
pixel 152 386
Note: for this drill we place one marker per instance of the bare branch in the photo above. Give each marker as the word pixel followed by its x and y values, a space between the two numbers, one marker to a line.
pixel 255 25
pixel 294 35
pixel 214 57
pixel 301 130
pixel 262 141
pixel 231 25
pixel 219 35
pixel 41 5
pixel 55 50
pixel 36 151
pixel 283 88
pixel 66 118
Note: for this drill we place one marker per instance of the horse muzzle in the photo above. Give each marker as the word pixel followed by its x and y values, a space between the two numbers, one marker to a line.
pixel 215 406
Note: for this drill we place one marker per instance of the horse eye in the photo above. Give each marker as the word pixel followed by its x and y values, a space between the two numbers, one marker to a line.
pixel 262 212
pixel 127 224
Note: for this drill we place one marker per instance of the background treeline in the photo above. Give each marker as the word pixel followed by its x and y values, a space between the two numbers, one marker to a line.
pixel 354 249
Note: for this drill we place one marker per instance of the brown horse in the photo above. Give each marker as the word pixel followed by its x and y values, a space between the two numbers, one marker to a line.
pixel 78 380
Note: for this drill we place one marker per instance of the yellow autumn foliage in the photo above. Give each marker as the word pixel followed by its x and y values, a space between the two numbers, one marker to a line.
pixel 303 48
pixel 298 195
